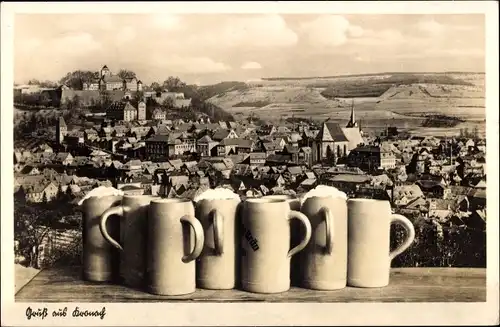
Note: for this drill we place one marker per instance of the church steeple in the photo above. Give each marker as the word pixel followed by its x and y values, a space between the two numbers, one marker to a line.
pixel 352 122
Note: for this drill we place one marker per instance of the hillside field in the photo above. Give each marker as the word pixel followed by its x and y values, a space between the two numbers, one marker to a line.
pixel 379 99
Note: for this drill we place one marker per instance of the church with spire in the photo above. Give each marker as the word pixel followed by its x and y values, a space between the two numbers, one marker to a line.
pixel 352 122
pixel 336 142
pixel 353 132
pixel 61 130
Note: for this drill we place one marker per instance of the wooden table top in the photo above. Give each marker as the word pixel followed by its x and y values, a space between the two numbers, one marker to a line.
pixel 63 284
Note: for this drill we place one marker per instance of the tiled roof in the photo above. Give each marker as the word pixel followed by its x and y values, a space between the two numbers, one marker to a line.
pixel 350 178
pixel 295 170
pixel 367 148
pixel 205 139
pixel 258 155
pixel 409 191
pixel 120 105
pixel 237 158
pixel 62 123
pixel 271 146
pixel 479 193
pixel 220 134
pixel 159 138
pixel 176 163
pixel 237 142
pixel 331 132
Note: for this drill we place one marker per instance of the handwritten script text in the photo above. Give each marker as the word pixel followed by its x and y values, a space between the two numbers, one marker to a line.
pixel 43 313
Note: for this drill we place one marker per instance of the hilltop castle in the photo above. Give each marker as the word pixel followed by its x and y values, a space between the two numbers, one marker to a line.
pixel 106 80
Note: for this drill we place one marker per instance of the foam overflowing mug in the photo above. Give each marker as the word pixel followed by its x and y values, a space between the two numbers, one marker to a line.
pixel 292 200
pixel 133 211
pixel 324 260
pixel 175 240
pixel 217 266
pixel 296 232
pixel 100 259
pixel 369 255
pixel 266 253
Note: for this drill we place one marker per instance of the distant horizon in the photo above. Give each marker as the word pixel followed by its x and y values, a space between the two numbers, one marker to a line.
pixel 304 77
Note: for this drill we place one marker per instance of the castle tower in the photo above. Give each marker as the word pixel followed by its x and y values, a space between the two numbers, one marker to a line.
pixel 61 130
pixel 141 110
pixel 352 122
pixel 105 71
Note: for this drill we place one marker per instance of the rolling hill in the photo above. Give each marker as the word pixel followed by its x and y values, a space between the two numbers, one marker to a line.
pixel 401 99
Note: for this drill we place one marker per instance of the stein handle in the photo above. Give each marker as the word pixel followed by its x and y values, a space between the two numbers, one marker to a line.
pixel 329 230
pixel 218 231
pixel 199 238
pixel 119 211
pixel 305 221
pixel 410 234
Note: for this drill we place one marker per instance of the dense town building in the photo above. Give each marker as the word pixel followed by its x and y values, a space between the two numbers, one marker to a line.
pixel 443 179
pixel 123 110
pixel 371 157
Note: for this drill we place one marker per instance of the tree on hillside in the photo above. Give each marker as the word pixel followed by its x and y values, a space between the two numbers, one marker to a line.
pixel 77 101
pixel 173 84
pixel 42 83
pixel 46 83
pixel 155 86
pixel 31 225
pixel 125 73
pixel 168 103
pixel 151 104
pixel 75 80
pixel 105 99
pixel 475 133
pixel 139 96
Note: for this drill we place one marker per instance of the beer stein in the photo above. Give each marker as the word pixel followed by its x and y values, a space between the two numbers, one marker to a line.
pixel 369 256
pixel 266 244
pixel 216 268
pixel 100 259
pixel 175 240
pixel 133 211
pixel 324 260
pixel 296 230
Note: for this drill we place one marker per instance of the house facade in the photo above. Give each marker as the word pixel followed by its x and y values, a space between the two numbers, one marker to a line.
pixel 38 193
pixel 141 111
pixel 370 157
pixel 205 146
pixel 121 110
pixel 157 147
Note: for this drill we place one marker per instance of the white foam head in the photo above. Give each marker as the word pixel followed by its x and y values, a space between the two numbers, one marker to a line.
pixel 218 193
pixel 101 191
pixel 323 191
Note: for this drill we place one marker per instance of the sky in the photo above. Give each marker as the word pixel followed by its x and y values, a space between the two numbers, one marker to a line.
pixel 209 48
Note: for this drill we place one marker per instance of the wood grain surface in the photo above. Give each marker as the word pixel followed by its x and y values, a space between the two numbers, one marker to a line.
pixel 64 284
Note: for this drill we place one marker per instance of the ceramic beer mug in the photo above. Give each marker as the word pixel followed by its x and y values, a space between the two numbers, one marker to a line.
pixel 323 262
pixel 175 240
pixel 296 230
pixel 216 268
pixel 100 259
pixel 266 244
pixel 133 211
pixel 369 256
